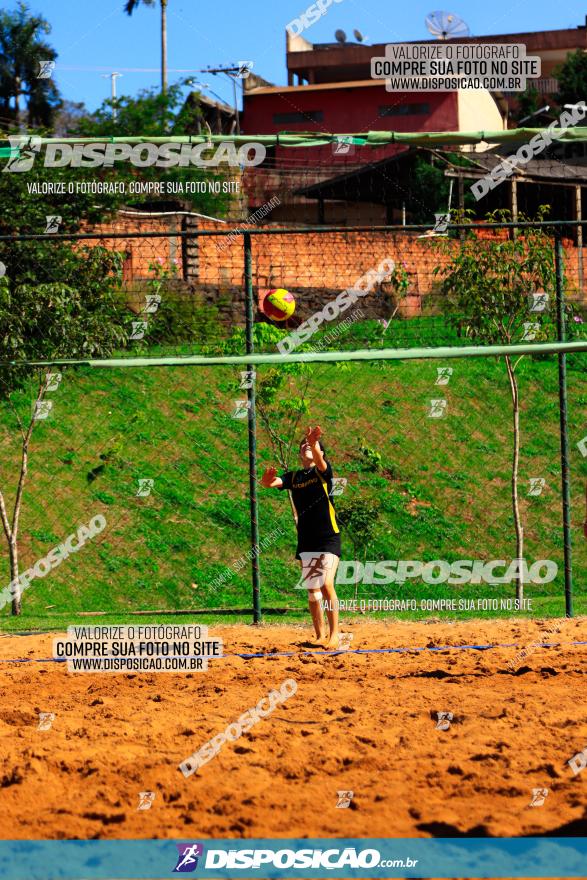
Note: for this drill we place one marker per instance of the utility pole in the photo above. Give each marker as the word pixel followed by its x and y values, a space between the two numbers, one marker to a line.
pixel 112 78
pixel 163 47
pixel 236 119
pixel 231 72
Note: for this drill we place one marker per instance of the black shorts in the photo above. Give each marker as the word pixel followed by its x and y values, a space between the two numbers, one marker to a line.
pixel 329 544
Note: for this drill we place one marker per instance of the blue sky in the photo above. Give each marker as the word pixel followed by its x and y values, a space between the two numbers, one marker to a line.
pixel 96 38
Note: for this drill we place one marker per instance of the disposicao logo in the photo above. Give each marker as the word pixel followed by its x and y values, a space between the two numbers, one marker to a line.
pixel 24 150
pixel 187 860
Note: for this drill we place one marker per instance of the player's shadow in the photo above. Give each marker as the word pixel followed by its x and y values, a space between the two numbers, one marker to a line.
pixel 575 828
pixel 445 829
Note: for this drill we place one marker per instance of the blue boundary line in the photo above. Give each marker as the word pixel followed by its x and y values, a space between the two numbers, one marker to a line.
pixel 324 653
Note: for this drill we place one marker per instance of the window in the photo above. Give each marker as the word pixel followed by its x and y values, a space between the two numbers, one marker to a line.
pixel 405 110
pixel 308 116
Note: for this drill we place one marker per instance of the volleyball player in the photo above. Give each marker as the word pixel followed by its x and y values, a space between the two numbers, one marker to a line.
pixel 318 545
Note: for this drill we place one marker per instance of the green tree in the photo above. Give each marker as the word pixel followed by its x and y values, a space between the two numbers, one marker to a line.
pixel 486 287
pixel 150 114
pixel 68 117
pixel 129 8
pixel 153 114
pixel 23 49
pixel 529 102
pixel 572 78
pixel 44 321
pixel 24 209
pixel 427 188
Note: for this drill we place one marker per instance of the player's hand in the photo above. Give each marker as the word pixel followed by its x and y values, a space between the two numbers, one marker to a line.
pixel 313 435
pixel 268 477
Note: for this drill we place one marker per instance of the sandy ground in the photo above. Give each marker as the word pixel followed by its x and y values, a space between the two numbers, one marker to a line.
pixel 365 723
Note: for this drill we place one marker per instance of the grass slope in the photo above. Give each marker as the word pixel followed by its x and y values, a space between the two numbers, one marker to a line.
pixel 440 489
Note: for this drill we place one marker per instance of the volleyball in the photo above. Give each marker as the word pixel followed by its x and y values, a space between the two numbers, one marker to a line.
pixel 279 304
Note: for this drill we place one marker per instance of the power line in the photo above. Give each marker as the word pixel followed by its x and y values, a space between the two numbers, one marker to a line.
pixel 94 69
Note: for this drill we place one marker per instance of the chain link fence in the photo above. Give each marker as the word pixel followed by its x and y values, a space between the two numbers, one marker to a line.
pixel 137 493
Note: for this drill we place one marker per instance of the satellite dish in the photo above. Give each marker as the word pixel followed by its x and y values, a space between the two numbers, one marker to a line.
pixel 340 36
pixel 358 36
pixel 444 25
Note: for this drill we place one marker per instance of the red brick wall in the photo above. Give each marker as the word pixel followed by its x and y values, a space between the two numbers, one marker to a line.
pixel 331 260
pixel 315 265
pixel 143 252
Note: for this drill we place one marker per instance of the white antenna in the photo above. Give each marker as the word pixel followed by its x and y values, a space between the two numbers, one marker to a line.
pixel 340 36
pixel 444 25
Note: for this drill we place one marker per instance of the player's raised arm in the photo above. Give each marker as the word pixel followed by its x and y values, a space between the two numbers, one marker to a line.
pixel 313 437
pixel 270 479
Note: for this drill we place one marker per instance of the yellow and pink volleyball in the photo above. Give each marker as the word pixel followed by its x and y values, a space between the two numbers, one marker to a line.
pixel 279 304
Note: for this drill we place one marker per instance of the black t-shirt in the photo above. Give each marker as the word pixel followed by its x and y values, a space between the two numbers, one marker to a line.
pixel 312 499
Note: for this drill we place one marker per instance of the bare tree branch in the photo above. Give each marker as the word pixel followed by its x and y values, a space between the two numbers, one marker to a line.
pixel 4 518
pixel 24 459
